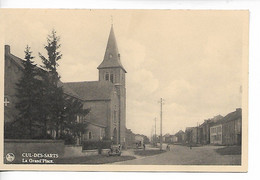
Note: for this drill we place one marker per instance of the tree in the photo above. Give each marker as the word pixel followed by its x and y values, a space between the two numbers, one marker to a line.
pixel 74 124
pixel 26 95
pixel 55 101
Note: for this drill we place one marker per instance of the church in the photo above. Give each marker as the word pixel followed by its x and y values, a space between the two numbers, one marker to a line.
pixel 106 97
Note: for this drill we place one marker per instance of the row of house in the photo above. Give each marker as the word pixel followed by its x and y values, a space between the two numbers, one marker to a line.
pixel 217 130
pixel 178 137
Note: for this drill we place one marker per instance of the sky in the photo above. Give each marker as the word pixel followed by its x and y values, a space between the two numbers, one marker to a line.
pixel 191 59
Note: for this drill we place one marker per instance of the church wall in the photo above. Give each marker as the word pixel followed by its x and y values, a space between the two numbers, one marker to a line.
pixel 114 118
pixel 94 133
pixel 122 115
pixel 100 113
pixel 122 77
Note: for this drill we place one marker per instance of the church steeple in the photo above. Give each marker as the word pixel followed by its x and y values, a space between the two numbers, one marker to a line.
pixel 112 56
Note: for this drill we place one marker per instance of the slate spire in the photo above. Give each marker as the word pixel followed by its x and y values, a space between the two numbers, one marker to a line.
pixel 112 56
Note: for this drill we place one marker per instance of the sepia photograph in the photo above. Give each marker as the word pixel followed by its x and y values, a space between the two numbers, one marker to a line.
pixel 102 90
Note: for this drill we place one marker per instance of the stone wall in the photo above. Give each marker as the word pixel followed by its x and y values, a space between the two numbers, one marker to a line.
pixel 32 150
pixel 76 151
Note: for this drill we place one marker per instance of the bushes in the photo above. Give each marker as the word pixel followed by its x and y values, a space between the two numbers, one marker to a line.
pixel 68 139
pixel 90 145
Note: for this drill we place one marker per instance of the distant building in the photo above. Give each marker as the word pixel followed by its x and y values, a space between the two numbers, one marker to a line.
pixel 216 134
pixel 188 132
pixel 218 130
pixel 180 136
pixel 167 138
pixel 204 129
pixel 173 138
pixel 130 139
pixel 232 128
pixel 228 130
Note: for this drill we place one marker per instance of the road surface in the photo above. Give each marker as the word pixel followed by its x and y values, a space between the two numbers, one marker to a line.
pixel 182 155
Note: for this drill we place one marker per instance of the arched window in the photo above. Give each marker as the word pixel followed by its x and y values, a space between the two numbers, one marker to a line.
pixel 107 77
pixel 112 78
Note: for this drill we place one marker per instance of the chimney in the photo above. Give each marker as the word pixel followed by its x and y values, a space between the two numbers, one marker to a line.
pixel 7 49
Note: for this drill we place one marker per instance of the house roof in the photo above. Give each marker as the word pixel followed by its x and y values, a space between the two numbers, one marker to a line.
pixel 112 56
pixel 179 132
pixel 230 117
pixel 92 90
pixel 188 128
pixel 67 90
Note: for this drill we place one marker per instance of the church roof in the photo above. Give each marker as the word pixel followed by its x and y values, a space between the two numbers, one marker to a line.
pixel 92 90
pixel 67 90
pixel 112 56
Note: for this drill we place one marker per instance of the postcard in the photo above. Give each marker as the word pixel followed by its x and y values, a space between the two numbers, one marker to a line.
pixel 124 90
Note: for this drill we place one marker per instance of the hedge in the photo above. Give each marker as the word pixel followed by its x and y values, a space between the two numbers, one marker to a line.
pixel 89 145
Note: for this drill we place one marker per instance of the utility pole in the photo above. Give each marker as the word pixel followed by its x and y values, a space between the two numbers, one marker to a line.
pixel 161 103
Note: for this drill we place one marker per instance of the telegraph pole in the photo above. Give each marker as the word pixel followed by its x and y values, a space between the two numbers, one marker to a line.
pixel 161 103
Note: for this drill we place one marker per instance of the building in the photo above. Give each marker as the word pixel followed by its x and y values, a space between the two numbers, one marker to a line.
pixel 106 97
pixel 228 130
pixel 130 139
pixel 204 129
pixel 173 139
pixel 192 135
pixel 13 72
pixel 180 136
pixel 232 128
pixel 166 138
pixel 216 134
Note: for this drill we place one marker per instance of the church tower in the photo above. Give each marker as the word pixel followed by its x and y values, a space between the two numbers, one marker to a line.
pixel 111 69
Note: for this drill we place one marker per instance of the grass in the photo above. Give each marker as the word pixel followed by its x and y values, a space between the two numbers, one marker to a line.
pixel 98 159
pixel 229 150
pixel 148 152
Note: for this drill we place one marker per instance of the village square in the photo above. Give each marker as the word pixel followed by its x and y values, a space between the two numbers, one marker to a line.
pixel 54 120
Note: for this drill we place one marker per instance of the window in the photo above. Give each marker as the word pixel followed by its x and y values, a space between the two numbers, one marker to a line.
pixel 6 101
pixel 112 78
pixel 89 135
pixel 107 77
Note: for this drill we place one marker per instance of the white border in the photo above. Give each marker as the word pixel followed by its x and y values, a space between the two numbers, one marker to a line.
pixel 254 80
